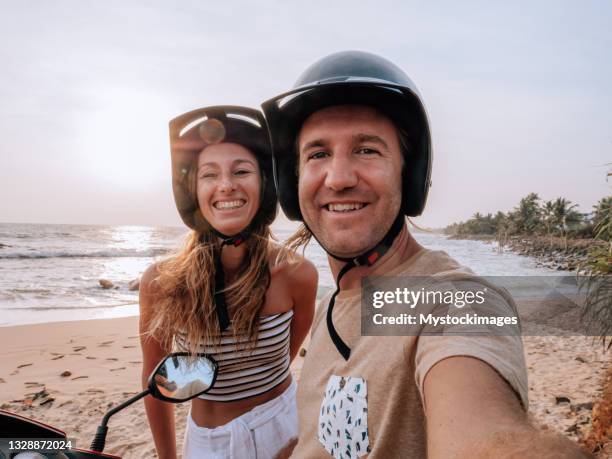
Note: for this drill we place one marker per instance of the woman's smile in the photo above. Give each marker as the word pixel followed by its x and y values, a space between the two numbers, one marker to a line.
pixel 229 205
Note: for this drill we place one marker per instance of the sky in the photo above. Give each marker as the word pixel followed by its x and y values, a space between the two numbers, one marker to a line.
pixel 518 94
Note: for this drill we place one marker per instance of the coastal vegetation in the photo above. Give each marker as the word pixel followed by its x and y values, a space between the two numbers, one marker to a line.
pixel 598 284
pixel 554 232
pixel 534 217
pixel 597 314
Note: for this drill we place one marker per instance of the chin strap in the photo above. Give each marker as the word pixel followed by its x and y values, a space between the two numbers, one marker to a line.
pixel 234 240
pixel 367 258
pixel 220 306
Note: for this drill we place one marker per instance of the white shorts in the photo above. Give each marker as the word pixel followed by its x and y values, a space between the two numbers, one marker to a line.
pixel 258 434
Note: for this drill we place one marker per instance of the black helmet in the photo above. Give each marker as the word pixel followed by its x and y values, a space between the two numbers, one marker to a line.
pixel 191 132
pixel 351 77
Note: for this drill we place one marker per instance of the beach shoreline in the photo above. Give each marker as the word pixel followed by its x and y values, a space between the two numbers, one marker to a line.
pixel 101 363
pixel 548 252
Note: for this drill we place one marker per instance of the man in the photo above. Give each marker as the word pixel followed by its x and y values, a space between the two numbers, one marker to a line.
pixel 352 158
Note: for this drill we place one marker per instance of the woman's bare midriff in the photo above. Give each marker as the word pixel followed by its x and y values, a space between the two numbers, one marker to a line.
pixel 209 414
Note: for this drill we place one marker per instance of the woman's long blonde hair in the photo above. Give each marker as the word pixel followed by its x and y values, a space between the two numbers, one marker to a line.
pixel 185 289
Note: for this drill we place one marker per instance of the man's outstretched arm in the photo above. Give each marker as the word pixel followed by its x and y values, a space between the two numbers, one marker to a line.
pixel 473 413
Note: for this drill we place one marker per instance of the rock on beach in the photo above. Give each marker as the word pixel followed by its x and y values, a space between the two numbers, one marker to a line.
pixel 134 285
pixel 106 284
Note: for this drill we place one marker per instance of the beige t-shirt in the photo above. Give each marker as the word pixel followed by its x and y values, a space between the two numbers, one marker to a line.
pixel 372 403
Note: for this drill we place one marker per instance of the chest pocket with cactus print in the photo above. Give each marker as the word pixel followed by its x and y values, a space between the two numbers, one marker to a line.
pixel 343 418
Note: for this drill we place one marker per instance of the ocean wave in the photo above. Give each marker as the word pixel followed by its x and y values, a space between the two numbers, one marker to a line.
pixel 18 236
pixel 41 291
pixel 33 254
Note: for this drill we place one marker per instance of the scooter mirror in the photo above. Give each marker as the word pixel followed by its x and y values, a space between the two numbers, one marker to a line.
pixel 177 378
pixel 181 377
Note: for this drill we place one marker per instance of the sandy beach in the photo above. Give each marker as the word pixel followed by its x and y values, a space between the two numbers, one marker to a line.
pixel 68 374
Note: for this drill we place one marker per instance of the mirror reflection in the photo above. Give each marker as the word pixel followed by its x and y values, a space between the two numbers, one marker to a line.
pixel 181 377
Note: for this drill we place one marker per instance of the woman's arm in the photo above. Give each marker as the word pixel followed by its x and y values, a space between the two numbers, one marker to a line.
pixel 160 414
pixel 304 279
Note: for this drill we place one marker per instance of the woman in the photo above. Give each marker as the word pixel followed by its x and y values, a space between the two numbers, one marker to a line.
pixel 230 292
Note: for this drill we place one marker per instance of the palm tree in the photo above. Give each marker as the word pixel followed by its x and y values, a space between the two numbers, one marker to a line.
pixel 526 217
pixel 597 311
pixel 598 283
pixel 565 215
pixel 548 219
pixel 500 222
pixel 601 209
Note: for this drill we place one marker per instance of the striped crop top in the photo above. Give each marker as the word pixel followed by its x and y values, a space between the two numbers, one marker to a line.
pixel 247 373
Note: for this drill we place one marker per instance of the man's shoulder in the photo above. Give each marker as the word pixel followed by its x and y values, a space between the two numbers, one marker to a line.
pixel 431 262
